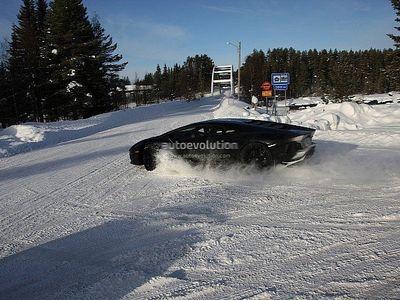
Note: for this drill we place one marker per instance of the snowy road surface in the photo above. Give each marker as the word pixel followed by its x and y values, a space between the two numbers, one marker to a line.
pixel 78 221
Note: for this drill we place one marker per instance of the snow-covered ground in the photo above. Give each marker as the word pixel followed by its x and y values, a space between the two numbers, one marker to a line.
pixel 391 97
pixel 377 98
pixel 78 221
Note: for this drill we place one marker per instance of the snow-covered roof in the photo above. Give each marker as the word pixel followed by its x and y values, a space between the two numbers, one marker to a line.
pixel 135 87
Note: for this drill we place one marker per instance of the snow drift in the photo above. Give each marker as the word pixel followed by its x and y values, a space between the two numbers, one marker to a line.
pixel 31 136
pixel 332 116
pixel 347 116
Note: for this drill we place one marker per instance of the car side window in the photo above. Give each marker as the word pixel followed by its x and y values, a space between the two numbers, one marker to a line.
pixel 217 130
pixel 186 130
pixel 201 131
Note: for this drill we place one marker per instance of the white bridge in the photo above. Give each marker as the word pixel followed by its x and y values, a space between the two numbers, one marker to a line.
pixel 222 76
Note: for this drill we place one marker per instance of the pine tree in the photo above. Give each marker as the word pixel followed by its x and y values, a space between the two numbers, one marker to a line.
pixel 396 38
pixel 164 88
pixel 7 116
pixel 254 72
pixel 42 67
pixel 102 67
pixel 205 67
pixel 23 64
pixel 71 41
pixel 188 76
pixel 157 82
pixel 5 113
pixel 394 71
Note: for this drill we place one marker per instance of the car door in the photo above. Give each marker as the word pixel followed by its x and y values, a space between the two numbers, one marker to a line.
pixel 216 141
pixel 225 142
pixel 190 143
pixel 200 146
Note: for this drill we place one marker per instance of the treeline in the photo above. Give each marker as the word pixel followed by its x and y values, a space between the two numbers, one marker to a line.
pixel 333 72
pixel 61 65
pixel 313 73
pixel 58 65
pixel 188 81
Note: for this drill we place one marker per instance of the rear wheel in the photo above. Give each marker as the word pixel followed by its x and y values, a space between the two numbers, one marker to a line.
pixel 257 154
pixel 150 157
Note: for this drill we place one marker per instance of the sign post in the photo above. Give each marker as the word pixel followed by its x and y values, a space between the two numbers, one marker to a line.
pixel 266 91
pixel 280 82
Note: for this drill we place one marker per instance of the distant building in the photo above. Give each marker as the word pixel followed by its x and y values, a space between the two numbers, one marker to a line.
pixel 134 88
pixel 139 94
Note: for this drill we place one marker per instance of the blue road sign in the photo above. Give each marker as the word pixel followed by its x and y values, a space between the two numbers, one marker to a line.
pixel 280 78
pixel 281 87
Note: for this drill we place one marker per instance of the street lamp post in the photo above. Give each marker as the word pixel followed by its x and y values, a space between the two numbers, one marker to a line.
pixel 239 50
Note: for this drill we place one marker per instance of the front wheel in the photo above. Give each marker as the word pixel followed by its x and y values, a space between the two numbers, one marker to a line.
pixel 257 154
pixel 150 157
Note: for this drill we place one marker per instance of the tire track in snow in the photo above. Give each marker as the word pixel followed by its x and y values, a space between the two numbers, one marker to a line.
pixel 30 207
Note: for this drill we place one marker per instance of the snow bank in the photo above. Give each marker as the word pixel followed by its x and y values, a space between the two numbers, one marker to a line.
pixel 377 98
pixel 31 136
pixel 346 116
pixel 230 108
pixel 332 116
pixel 303 101
pixel 24 133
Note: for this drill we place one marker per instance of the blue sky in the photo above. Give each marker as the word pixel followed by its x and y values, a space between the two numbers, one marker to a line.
pixel 150 32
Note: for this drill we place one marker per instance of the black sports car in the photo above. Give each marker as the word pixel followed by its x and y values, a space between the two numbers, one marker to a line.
pixel 247 141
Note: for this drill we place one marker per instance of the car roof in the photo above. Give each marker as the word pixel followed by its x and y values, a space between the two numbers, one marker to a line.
pixel 225 121
pixel 231 121
pixel 250 124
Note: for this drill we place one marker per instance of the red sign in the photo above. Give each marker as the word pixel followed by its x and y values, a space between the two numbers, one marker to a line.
pixel 266 86
pixel 266 93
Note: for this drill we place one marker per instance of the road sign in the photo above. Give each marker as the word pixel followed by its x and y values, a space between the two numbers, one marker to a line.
pixel 280 78
pixel 266 93
pixel 266 86
pixel 281 87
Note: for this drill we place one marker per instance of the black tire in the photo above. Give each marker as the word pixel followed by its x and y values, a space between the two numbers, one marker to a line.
pixel 257 154
pixel 150 157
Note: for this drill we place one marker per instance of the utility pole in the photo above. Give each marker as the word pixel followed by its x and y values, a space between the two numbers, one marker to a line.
pixel 238 47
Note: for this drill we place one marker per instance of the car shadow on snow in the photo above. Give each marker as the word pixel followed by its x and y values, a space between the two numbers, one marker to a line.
pixel 105 136
pixel 329 149
pixel 96 137
pixel 58 164
pixel 107 261
pixel 341 163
